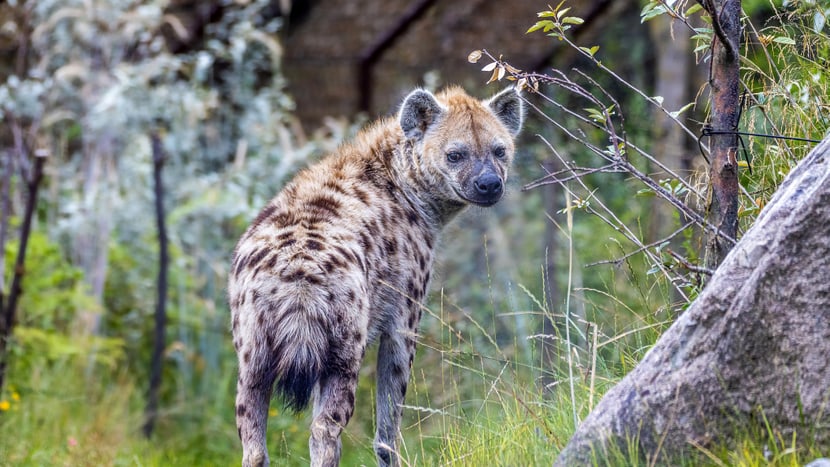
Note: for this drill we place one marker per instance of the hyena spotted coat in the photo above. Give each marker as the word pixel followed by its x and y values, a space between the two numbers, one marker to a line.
pixel 342 257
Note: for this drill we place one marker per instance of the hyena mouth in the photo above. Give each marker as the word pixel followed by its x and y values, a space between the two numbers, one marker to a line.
pixel 482 201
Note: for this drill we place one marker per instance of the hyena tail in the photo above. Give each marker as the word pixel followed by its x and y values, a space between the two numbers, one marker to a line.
pixel 299 351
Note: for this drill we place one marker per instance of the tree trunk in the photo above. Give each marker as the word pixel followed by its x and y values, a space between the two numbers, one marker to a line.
pixel 724 79
pixel 9 309
pixel 159 342
pixel 753 348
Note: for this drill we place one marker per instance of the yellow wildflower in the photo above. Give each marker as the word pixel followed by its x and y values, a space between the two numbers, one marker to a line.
pixel 4 405
pixel 273 412
pixel 15 397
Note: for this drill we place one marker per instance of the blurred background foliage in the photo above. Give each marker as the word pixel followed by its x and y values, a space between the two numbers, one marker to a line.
pixel 87 81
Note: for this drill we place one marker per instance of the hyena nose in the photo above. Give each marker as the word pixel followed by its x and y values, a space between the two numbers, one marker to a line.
pixel 488 184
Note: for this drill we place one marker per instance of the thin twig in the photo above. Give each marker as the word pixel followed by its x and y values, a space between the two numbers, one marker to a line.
pixel 688 265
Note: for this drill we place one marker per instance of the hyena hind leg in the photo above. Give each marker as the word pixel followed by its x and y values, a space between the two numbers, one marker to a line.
pixel 252 399
pixel 333 407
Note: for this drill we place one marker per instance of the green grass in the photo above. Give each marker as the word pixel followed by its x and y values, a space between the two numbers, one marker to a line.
pixel 471 413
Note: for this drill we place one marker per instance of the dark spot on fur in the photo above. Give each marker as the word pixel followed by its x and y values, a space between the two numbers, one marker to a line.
pixel 287 243
pixel 314 235
pixel 337 418
pixel 285 235
pixel 350 398
pixel 411 320
pixel 302 257
pixel 239 432
pixel 361 195
pixel 403 389
pixel 412 217
pixel 391 245
pixel 246 357
pixel 241 263
pixel 311 222
pixel 350 295
pixel 348 257
pixel 284 218
pixel 328 266
pixel 240 410
pixel 365 242
pixel 272 261
pixel 371 228
pixel 326 204
pixel 338 262
pixel 262 216
pixel 334 186
pixel 314 245
pixel 397 370
pixel 358 336
pixel 294 276
pixel 235 322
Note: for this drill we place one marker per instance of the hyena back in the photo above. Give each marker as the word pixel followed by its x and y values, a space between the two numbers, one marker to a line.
pixel 342 257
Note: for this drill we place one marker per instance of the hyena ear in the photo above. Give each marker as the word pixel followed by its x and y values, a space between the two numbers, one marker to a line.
pixel 509 108
pixel 418 111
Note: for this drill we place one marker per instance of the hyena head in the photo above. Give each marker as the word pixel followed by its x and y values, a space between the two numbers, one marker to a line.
pixel 462 146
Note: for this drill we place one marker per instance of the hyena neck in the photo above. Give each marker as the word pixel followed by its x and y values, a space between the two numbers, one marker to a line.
pixel 421 187
pixel 402 165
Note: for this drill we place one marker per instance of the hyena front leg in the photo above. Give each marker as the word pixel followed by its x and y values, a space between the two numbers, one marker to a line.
pixel 253 394
pixel 395 354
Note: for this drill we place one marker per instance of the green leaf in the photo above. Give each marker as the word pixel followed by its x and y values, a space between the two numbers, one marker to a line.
pixel 784 40
pixel 572 20
pixel 682 109
pixel 590 51
pixel 648 7
pixel 595 115
pixel 652 13
pixel 693 9
pixel 547 25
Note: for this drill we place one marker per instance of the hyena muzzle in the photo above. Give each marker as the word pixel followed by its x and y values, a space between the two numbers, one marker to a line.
pixel 342 257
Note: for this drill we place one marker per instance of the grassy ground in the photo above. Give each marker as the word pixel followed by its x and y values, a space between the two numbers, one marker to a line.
pixel 470 413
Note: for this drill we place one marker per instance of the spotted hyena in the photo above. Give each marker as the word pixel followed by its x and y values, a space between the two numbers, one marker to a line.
pixel 342 257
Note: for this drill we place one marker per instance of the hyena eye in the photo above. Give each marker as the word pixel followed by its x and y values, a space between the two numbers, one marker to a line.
pixel 454 156
pixel 499 152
